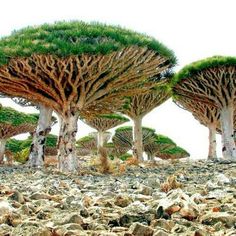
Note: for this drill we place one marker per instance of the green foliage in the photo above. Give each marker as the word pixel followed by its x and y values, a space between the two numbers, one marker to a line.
pixel 195 67
pixel 114 117
pixel 125 156
pixel 130 128
pixel 51 140
pixel 14 145
pixel 22 156
pixel 109 145
pixel 10 116
pixel 74 38
pixel 85 139
pixel 161 139
pixel 176 151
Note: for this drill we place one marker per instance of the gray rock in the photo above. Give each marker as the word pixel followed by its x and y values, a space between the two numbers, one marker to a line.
pixel 17 196
pixel 214 217
pixel 136 207
pixel 160 233
pixel 72 218
pixel 39 196
pixel 162 223
pixel 122 200
pixel 178 201
pixel 145 190
pixel 5 207
pixel 138 229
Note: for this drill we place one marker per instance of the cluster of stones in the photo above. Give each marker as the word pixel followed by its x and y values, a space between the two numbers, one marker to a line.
pixel 42 202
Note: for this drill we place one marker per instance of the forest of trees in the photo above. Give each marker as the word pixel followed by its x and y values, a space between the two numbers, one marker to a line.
pixel 104 75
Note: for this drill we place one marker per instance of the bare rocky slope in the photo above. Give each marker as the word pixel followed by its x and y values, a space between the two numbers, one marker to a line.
pixel 199 198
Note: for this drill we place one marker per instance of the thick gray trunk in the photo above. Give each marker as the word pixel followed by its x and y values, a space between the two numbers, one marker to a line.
pixel 36 158
pixel 227 127
pixel 212 142
pixel 67 159
pixel 2 149
pixel 137 139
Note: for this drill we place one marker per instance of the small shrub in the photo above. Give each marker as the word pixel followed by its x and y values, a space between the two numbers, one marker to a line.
pixel 171 183
pixel 132 161
pixel 125 156
pixel 22 156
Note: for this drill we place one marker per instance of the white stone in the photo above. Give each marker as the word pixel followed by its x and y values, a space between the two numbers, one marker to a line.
pixel 222 179
pixel 5 207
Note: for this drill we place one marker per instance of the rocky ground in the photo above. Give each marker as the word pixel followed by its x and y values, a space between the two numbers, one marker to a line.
pixel 199 198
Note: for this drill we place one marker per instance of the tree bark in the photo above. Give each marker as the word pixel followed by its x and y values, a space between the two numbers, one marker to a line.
pixel 150 157
pixel 2 149
pixel 227 127
pixel 67 159
pixel 212 142
pixel 100 139
pixel 36 158
pixel 137 139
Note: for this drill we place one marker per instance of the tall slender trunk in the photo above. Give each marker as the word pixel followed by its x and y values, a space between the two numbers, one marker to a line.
pixel 138 139
pixel 227 127
pixel 67 159
pixel 100 139
pixel 212 142
pixel 2 149
pixel 36 158
pixel 150 156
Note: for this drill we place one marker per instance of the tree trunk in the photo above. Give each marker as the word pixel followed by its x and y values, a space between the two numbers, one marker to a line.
pixel 36 158
pixel 2 149
pixel 227 127
pixel 100 139
pixel 67 159
pixel 138 139
pixel 212 142
pixel 150 157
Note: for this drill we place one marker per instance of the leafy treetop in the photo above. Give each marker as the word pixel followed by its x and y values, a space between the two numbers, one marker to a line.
pixel 85 139
pixel 195 67
pixel 75 38
pixel 130 128
pixel 10 116
pixel 15 145
pixel 114 116
pixel 175 151
pixel 159 138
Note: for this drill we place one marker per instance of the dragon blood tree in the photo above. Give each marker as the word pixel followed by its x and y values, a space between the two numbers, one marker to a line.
pixel 207 115
pixel 123 137
pixel 88 143
pixel 73 66
pixel 138 106
pixel 15 145
pixel 158 144
pixel 105 137
pixel 13 123
pixel 212 81
pixel 103 123
pixel 115 150
pixel 173 153
pixel 45 122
